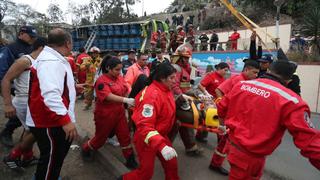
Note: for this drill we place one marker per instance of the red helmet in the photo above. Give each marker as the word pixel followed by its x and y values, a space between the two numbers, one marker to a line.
pixel 184 50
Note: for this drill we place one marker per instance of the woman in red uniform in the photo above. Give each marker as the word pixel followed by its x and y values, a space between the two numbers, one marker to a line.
pixel 212 80
pixel 154 116
pixel 109 113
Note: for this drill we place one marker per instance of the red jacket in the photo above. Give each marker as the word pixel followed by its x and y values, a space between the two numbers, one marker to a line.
pixel 211 81
pixel 155 37
pixel 182 79
pixel 72 64
pixel 228 84
pixel 154 115
pixel 258 112
pixel 51 91
pixel 234 36
pixel 103 87
pixel 180 36
pixel 81 73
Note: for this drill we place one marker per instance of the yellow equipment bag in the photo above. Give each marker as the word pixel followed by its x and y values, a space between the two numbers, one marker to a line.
pixel 212 118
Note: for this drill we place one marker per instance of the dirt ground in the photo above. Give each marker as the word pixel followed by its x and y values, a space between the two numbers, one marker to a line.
pixel 74 168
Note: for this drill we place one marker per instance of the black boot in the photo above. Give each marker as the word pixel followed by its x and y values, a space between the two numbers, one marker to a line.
pixel 120 178
pixel 131 162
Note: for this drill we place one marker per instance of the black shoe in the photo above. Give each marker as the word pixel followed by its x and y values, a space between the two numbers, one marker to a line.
pixel 219 169
pixel 120 178
pixel 12 163
pixel 30 162
pixel 131 162
pixel 6 139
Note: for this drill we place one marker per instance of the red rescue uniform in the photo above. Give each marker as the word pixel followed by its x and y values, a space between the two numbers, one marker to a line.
pixel 211 81
pixel 180 37
pixel 257 132
pixel 81 73
pixel 227 85
pixel 182 86
pixel 234 40
pixel 220 152
pixel 154 116
pixel 163 41
pixel 182 79
pixel 155 39
pixel 110 116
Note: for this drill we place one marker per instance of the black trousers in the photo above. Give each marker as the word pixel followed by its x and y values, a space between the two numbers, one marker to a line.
pixel 53 149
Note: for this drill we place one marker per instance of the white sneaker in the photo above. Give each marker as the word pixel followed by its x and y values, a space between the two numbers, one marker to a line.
pixel 113 141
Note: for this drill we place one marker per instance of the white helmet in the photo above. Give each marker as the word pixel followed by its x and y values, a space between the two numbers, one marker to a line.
pixel 94 49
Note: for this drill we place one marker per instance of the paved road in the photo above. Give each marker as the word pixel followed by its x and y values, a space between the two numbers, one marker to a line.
pixel 285 163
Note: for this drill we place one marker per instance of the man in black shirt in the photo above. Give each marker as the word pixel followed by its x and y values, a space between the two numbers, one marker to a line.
pixel 22 46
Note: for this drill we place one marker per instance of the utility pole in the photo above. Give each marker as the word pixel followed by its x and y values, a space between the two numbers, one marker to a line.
pixel 278 4
pixel 142 4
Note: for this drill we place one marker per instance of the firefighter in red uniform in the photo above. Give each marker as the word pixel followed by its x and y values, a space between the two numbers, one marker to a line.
pixel 234 40
pixel 173 41
pixel 81 74
pixel 256 131
pixel 190 36
pixel 109 114
pixel 208 85
pixel 155 39
pixel 181 63
pixel 250 71
pixel 154 116
pixel 163 41
pixel 180 35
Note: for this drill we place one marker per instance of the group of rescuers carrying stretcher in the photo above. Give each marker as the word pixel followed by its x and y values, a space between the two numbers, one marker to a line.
pixel 248 133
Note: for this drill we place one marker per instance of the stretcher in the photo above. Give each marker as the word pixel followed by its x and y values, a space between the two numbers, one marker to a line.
pixel 202 115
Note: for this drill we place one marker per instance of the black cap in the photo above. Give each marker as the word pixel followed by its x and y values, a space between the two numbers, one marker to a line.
pixel 31 31
pixel 131 51
pixel 268 58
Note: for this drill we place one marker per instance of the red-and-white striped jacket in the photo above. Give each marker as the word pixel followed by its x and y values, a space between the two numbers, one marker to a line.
pixel 51 91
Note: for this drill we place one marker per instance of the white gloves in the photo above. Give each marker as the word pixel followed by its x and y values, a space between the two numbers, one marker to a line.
pixel 129 101
pixel 168 153
pixel 223 129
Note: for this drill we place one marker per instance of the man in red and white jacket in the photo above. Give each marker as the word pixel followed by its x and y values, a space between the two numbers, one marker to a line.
pixel 50 113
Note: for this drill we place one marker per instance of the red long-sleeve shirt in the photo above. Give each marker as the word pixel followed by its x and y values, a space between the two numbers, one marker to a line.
pixel 211 81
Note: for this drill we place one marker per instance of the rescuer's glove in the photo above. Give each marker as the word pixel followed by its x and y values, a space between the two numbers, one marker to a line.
pixel 223 129
pixel 168 153
pixel 129 101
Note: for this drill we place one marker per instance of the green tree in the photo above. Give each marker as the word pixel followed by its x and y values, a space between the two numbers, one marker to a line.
pixel 111 11
pixel 5 7
pixel 22 14
pixel 55 13
pixel 80 14
pixel 311 27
